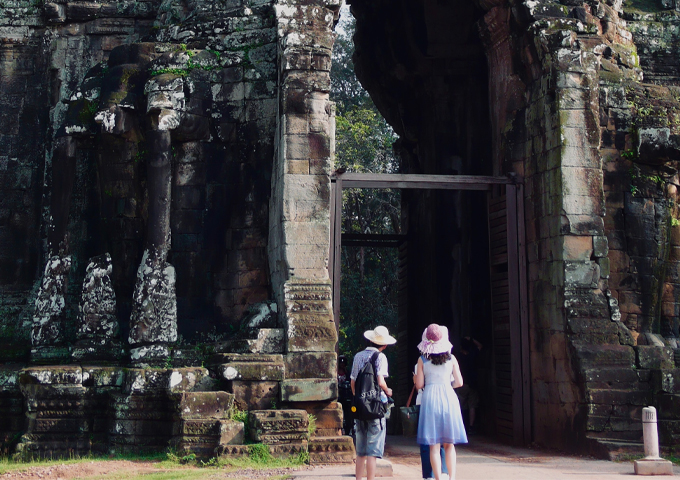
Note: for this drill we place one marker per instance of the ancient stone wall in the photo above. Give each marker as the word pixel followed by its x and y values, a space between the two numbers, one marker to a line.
pixel 593 245
pixel 177 134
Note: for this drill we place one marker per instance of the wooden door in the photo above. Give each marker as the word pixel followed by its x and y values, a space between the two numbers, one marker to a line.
pixel 509 316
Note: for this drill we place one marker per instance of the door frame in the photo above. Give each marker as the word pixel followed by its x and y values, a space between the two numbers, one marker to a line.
pixel 519 327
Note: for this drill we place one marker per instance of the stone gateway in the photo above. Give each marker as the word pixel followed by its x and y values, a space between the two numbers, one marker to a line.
pixel 165 216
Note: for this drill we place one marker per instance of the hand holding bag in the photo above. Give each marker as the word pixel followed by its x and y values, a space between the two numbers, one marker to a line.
pixel 409 416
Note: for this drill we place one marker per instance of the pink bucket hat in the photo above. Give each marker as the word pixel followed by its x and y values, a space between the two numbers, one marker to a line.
pixel 435 340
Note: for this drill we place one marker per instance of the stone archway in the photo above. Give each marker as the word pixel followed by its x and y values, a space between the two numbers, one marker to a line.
pixel 509 410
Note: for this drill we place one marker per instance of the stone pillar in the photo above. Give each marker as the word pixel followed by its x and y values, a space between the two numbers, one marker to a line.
pixel 299 238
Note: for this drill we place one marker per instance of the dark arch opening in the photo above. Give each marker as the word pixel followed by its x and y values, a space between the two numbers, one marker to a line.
pixel 424 65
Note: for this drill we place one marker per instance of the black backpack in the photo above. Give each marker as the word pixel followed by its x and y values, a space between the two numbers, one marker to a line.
pixel 366 404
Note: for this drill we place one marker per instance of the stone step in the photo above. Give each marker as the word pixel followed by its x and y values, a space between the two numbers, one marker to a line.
pixel 617 449
pixel 608 449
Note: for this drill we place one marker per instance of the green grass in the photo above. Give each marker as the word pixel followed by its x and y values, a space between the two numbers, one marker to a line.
pixel 168 465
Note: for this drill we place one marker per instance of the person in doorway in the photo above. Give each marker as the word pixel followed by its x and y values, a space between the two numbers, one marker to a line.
pixel 441 421
pixel 370 434
pixel 468 394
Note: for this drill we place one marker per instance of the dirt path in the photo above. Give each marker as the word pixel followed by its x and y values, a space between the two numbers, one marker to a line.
pixel 124 469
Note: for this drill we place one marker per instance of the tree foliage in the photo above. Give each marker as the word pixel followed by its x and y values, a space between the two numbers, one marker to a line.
pixel 363 144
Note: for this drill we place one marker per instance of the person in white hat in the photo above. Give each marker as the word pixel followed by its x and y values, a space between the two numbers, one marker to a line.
pixel 440 420
pixel 370 434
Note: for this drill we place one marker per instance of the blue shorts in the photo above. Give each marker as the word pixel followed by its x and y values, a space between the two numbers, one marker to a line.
pixel 370 435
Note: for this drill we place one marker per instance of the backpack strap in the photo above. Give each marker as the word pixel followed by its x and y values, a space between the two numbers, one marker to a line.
pixel 374 361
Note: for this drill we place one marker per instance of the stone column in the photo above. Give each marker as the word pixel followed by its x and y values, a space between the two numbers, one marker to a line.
pixel 299 237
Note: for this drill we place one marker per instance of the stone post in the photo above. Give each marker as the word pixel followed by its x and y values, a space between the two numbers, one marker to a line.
pixel 652 464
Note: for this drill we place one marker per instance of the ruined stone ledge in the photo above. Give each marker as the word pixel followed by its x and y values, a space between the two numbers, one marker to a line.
pixel 669 407
pixel 666 380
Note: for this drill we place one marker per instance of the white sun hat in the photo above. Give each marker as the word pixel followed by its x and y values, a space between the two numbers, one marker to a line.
pixel 380 336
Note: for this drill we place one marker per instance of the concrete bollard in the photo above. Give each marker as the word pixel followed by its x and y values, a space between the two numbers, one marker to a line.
pixel 652 464
pixel 650 433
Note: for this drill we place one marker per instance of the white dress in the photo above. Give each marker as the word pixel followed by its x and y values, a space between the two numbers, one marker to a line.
pixel 440 419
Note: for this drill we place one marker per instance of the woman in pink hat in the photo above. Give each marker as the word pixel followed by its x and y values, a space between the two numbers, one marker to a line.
pixel 440 421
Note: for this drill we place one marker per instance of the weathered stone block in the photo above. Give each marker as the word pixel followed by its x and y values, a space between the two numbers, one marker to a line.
pixel 57 425
pixel 249 395
pixel 333 450
pixel 328 416
pixel 279 426
pixel 617 378
pixel 652 357
pixel 667 381
pixel 203 405
pixel 52 375
pixel 579 248
pixel 311 365
pixel 308 390
pixel 232 451
pixel 141 427
pixel 581 274
pixel 598 356
pixel 252 370
pixel 226 432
